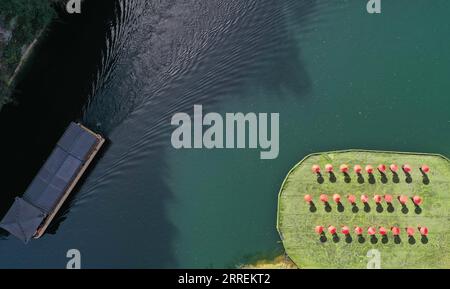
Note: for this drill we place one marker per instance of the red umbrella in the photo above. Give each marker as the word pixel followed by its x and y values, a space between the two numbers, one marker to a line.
pixel 382 168
pixel 319 229
pixel 332 230
pixel 324 198
pixel 344 168
pixel 417 200
pixel 369 169
pixel 425 169
pixel 364 198
pixel 328 168
pixel 407 168
pixel 395 231
pixel 308 198
pixel 337 198
pixel 357 169
pixel 410 231
pixel 382 231
pixel 377 199
pixel 358 230
pixel 388 198
pixel 371 231
pixel 394 168
pixel 403 199
pixel 316 169
pixel 423 231
pixel 351 199
pixel 345 230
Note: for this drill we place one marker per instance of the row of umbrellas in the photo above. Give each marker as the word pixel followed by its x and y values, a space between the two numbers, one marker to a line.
pixel 403 199
pixel 371 231
pixel 344 168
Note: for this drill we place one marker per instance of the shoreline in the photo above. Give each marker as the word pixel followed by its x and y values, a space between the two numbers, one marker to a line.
pixel 6 98
pixel 21 27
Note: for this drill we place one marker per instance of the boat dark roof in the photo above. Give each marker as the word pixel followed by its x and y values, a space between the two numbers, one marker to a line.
pixel 51 183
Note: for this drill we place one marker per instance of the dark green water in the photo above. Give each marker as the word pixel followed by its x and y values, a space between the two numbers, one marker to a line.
pixel 377 82
pixel 339 77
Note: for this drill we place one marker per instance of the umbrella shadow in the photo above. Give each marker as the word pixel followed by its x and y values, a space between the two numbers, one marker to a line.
pixel 312 207
pixel 424 239
pixel 336 238
pixel 332 177
pixel 340 207
pixel 395 178
pixel 327 207
pixel 408 178
pixel 390 208
pixel 373 239
pixel 348 239
pixel 417 208
pixel 384 178
pixel 379 208
pixel 360 178
pixel 372 179
pixel 425 178
pixel 320 178
pixel 347 178
pixel 367 207
pixel 405 209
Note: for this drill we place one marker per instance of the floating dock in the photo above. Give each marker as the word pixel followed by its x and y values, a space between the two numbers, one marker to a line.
pixel 298 220
pixel 30 215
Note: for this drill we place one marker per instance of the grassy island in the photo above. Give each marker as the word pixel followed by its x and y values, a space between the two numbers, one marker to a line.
pixel 297 219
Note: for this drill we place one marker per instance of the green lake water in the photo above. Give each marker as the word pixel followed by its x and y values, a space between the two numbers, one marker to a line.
pixel 375 82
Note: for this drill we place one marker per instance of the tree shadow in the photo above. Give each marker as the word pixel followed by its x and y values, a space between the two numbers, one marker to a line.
pixel 347 178
pixel 384 239
pixel 323 238
pixel 366 207
pixel 397 239
pixel 332 177
pixel 360 178
pixel 411 240
pixel 361 239
pixel 355 208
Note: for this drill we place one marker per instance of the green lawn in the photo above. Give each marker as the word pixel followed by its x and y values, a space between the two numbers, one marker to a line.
pixel 296 222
